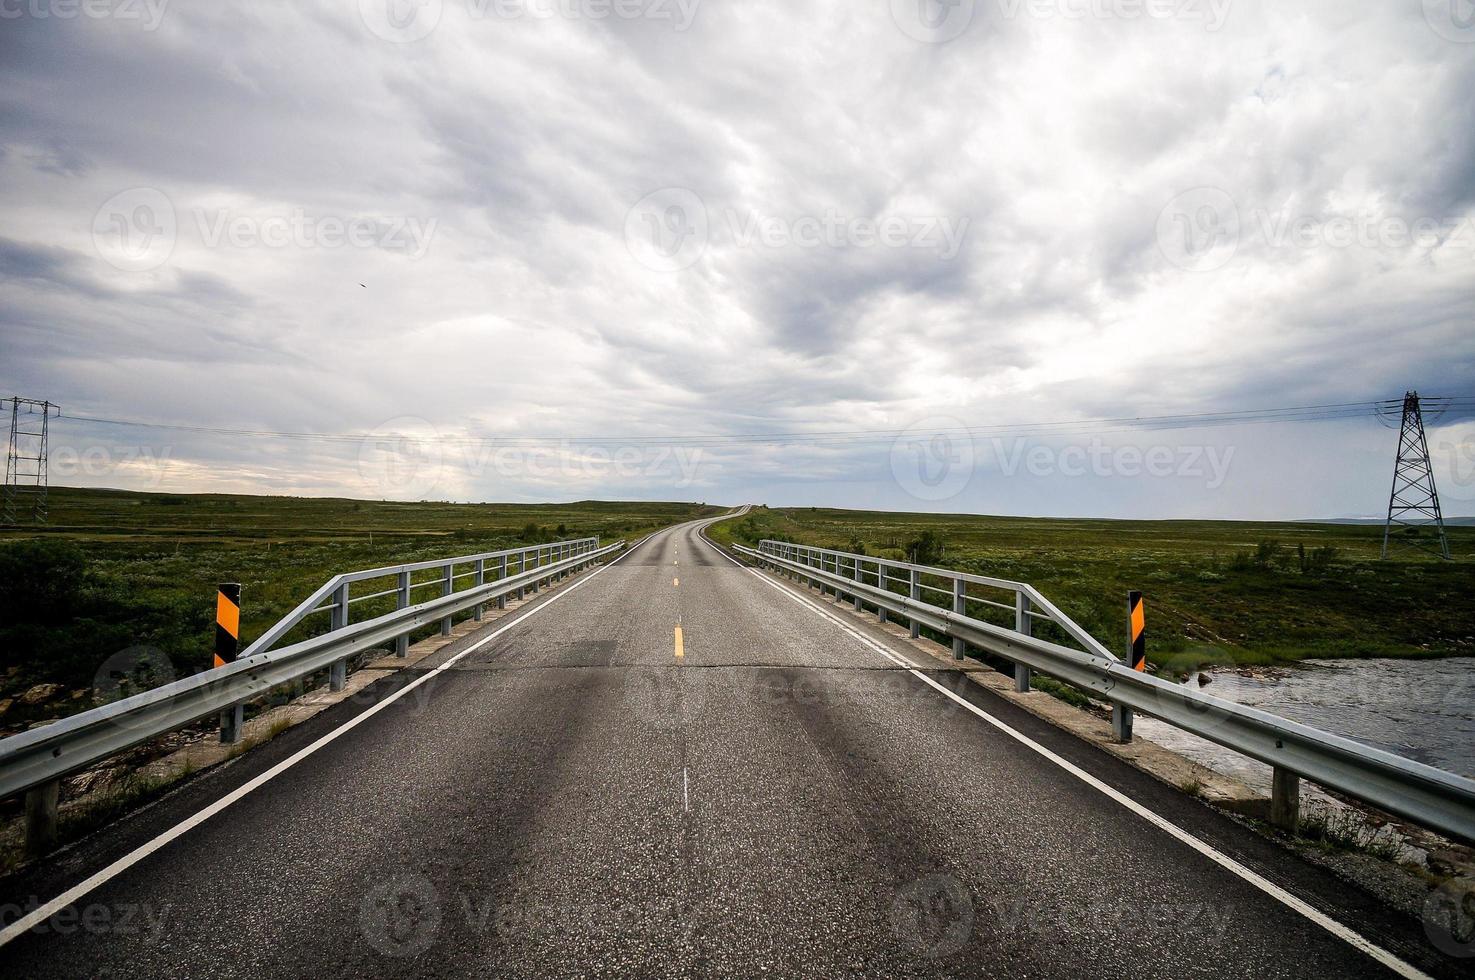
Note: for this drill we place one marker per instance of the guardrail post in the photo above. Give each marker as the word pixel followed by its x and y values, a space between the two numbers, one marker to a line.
pixel 1121 723
pixel 916 594
pixel 41 817
pixel 402 601
pixel 479 579
pixel 337 620
pixel 855 569
pixel 881 584
pixel 1121 715
pixel 537 563
pixel 1285 799
pixel 227 643
pixel 960 606
pixel 501 574
pixel 1024 626
pixel 447 586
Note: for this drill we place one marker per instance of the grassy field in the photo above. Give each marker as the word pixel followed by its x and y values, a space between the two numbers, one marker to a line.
pixel 1217 592
pixel 116 570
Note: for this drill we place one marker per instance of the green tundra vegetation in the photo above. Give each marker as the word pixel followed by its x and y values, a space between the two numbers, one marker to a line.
pixel 113 571
pixel 1217 592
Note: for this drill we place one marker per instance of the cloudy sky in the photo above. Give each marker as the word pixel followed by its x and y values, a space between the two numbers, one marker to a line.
pixel 847 253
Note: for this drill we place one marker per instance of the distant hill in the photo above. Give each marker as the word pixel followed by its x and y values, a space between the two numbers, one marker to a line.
pixel 1449 521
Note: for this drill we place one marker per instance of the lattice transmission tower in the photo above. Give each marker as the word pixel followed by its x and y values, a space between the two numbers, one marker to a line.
pixel 25 459
pixel 1413 506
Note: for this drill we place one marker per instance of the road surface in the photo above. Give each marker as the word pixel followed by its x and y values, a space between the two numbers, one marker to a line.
pixel 678 767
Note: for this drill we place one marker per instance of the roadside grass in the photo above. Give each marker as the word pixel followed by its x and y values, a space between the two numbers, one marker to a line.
pixel 1068 693
pixel 1218 593
pixel 1344 831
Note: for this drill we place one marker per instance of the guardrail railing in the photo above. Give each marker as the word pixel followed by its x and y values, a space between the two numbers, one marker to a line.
pixel 1431 797
pixel 1025 602
pixel 35 761
pixel 334 596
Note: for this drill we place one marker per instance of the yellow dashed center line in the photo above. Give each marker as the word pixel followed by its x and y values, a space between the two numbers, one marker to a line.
pixel 676 583
pixel 680 647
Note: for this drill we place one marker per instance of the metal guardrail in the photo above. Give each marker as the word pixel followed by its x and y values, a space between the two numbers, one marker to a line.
pixel 334 596
pixel 44 755
pixel 1026 602
pixel 1423 794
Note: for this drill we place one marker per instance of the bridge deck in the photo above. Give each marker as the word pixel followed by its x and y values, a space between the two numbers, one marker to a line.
pixel 570 795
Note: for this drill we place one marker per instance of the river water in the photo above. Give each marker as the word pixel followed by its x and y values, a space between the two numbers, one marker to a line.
pixel 1420 709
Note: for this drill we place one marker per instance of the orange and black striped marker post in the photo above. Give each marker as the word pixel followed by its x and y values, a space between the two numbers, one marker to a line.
pixel 1137 630
pixel 227 623
pixel 227 643
pixel 1121 715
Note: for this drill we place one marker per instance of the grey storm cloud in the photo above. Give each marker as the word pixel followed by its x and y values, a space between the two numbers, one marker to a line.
pixel 471 228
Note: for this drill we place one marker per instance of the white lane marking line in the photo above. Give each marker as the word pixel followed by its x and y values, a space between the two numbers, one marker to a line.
pixel 685 790
pixel 631 550
pixel 1345 933
pixel 127 861
pixel 702 531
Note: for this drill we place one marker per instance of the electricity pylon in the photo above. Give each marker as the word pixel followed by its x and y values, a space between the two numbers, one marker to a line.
pixel 1414 503
pixel 25 458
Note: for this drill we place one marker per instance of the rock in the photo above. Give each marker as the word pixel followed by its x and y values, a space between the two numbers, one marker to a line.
pixel 40 694
pixel 5 706
pixel 86 782
pixel 1204 679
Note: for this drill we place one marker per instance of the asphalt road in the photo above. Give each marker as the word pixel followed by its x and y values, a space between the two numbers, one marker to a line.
pixel 585 794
